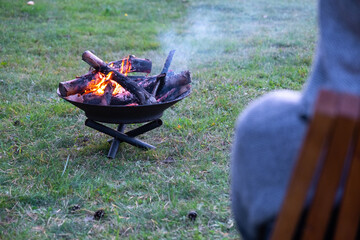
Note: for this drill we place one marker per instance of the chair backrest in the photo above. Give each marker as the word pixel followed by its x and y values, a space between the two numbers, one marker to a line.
pixel 329 156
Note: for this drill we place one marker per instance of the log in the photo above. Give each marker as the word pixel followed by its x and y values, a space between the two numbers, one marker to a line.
pixel 181 91
pixel 174 81
pixel 140 89
pixel 76 85
pixel 92 98
pixel 133 64
pixel 108 93
pixel 164 97
pixel 79 84
pixel 73 89
pixel 137 79
pixel 141 94
pixel 174 93
pixel 122 99
pixel 153 83
pixel 75 98
pixel 104 99
pixel 168 62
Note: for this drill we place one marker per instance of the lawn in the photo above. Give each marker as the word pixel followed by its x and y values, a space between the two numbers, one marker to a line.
pixel 54 173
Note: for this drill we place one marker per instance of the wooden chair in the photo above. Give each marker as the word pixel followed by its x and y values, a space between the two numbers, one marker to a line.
pixel 329 156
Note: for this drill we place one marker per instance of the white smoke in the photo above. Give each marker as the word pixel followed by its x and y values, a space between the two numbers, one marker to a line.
pixel 197 42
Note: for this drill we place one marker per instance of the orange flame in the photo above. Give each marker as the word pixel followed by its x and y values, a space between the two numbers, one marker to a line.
pixel 98 84
pixel 117 88
pixel 125 69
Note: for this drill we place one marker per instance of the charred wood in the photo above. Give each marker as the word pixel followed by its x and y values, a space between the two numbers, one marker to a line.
pixel 174 93
pixel 141 94
pixel 168 62
pixel 141 90
pixel 108 93
pixel 138 79
pixel 122 99
pixel 174 81
pixel 104 99
pixel 75 98
pixel 77 85
pixel 181 91
pixel 153 83
pixel 132 64
pixel 164 97
pixel 92 98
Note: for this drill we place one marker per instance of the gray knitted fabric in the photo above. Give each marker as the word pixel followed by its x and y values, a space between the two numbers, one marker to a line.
pixel 337 62
pixel 269 132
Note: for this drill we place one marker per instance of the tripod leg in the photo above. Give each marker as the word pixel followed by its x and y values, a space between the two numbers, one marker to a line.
pixel 115 142
pixel 145 128
pixel 120 136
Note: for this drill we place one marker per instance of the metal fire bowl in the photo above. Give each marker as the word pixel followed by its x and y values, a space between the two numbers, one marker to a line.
pixel 124 114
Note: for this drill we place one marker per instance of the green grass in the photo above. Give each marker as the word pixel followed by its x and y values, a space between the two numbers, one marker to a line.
pixel 236 51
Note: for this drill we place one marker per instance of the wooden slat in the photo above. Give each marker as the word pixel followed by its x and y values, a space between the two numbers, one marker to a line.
pixel 318 130
pixel 349 216
pixel 320 209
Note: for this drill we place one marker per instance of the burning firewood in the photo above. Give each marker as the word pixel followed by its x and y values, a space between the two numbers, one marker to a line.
pixel 141 94
pixel 102 99
pixel 76 85
pixel 124 66
pixel 108 84
pixel 132 64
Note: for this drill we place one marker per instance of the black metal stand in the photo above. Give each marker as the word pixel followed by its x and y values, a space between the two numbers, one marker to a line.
pixel 128 137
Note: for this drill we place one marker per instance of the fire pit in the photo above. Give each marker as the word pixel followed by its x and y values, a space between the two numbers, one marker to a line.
pixel 106 94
